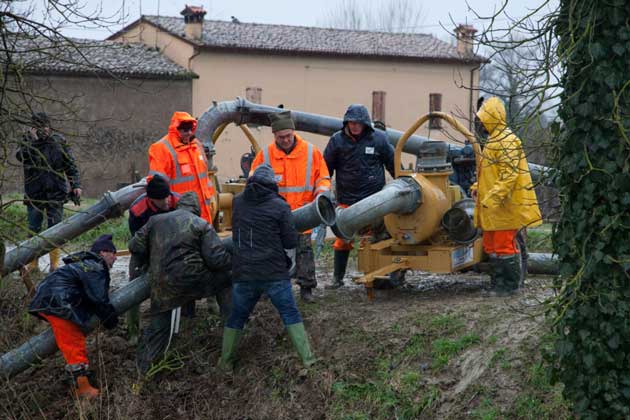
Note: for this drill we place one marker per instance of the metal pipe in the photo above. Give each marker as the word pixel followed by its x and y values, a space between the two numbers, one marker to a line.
pixel 400 196
pixel 113 204
pixel 543 263
pixel 538 263
pixel 242 111
pixel 320 211
pixel 43 345
pixel 135 292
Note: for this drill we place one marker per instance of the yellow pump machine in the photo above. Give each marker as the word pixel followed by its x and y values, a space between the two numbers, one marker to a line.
pixel 430 225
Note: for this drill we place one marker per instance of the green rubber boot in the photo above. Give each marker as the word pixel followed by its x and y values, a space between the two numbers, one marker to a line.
pixel 231 336
pixel 300 342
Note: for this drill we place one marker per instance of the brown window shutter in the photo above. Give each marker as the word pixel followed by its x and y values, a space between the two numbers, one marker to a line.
pixel 378 105
pixel 254 94
pixel 435 105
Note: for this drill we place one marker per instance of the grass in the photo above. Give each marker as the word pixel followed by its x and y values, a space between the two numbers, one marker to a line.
pixel 444 349
pixel 500 357
pixel 397 384
pixel 539 239
pixel 486 410
pixel 14 226
pixel 539 399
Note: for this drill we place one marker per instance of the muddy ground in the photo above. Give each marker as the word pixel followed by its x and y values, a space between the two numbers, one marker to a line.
pixel 436 349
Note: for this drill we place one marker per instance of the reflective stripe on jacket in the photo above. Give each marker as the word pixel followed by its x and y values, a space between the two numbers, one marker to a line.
pixel 185 165
pixel 505 193
pixel 301 175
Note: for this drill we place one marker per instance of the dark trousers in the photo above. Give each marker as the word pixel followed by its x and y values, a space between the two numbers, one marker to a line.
pixel 156 336
pixel 35 214
pixel 305 262
pixel 245 295
pixel 136 268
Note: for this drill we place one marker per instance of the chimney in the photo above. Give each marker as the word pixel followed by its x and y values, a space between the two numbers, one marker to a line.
pixel 193 21
pixel 465 35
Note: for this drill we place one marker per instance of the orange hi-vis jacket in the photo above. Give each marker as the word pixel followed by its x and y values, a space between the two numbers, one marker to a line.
pixel 301 175
pixel 185 165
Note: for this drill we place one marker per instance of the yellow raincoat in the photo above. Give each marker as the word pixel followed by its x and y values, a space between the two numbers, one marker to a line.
pixel 505 194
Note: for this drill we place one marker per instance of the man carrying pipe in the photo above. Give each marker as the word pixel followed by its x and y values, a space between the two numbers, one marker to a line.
pixel 356 154
pixel 187 261
pixel 158 199
pixel 262 228
pixel 301 174
pixel 505 198
pixel 69 297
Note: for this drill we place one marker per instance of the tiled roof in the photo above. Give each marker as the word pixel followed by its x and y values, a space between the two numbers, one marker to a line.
pixel 312 40
pixel 86 56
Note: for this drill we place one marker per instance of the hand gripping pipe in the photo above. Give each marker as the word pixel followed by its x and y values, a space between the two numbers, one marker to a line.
pixel 133 293
pixel 400 196
pixel 113 204
pixel 242 111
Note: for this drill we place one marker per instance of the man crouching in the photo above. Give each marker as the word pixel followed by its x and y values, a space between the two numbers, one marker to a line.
pixel 187 261
pixel 68 298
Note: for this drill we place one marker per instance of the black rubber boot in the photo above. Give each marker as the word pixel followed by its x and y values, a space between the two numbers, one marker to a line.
pixel 306 294
pixel 341 263
pixel 496 277
pixel 511 273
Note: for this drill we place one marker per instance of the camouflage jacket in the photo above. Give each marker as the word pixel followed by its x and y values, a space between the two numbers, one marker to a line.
pixel 186 257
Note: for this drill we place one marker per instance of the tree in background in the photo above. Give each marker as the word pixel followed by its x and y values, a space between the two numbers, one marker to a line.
pixel 31 40
pixel 508 76
pixel 384 16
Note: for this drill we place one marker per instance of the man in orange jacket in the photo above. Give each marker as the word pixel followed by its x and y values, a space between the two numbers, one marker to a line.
pixel 301 174
pixel 180 158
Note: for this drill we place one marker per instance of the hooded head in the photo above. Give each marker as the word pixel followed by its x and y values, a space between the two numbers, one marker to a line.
pixel 178 119
pixel 358 113
pixel 264 175
pixel 40 120
pixel 261 185
pixel 189 202
pixel 492 115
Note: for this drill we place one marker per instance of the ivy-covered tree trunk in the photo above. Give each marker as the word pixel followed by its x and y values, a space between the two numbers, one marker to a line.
pixel 592 239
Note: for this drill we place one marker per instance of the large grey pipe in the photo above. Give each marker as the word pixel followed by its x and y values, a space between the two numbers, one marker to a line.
pixel 113 204
pixel 542 263
pixel 538 263
pixel 400 196
pixel 133 293
pixel 242 111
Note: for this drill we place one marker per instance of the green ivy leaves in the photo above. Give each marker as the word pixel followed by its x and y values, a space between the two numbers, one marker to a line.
pixel 591 355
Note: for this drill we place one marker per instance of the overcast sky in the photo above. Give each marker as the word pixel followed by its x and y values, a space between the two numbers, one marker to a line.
pixel 298 12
